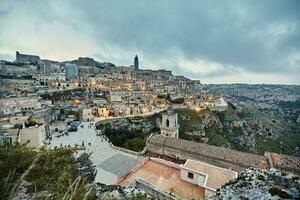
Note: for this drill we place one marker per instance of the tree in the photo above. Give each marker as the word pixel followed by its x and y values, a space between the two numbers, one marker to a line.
pixel 135 144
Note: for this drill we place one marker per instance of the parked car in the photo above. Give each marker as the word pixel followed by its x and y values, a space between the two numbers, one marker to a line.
pixel 72 128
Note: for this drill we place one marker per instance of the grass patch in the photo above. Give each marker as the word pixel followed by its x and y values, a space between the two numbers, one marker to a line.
pixel 14 161
pixel 55 173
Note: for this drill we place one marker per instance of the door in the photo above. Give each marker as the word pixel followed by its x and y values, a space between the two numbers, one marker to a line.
pixel 201 180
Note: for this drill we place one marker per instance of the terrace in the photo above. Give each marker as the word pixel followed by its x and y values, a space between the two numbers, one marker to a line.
pixel 164 177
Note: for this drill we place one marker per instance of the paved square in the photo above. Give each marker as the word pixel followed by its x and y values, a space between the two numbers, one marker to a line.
pixel 118 164
pixel 110 163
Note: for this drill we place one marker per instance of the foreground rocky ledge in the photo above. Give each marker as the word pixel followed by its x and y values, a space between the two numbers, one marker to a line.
pixel 261 184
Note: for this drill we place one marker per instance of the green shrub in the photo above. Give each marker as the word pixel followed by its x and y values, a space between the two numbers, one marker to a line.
pixel 14 161
pixel 135 144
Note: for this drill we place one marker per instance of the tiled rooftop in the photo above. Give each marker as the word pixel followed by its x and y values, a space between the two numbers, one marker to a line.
pixel 221 153
pixel 285 161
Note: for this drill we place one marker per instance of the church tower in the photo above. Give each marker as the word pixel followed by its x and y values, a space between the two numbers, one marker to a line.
pixel 169 126
pixel 136 62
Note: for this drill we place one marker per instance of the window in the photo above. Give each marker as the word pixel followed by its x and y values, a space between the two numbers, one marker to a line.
pixel 167 123
pixel 190 175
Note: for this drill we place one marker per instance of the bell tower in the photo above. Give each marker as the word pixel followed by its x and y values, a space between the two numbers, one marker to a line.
pixel 136 62
pixel 169 126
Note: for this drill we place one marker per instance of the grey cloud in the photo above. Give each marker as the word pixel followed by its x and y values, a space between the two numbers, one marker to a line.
pixel 6 57
pixel 216 31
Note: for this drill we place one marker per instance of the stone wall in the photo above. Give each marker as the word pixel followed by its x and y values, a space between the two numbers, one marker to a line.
pixel 125 150
pixel 219 156
pixel 165 162
pixel 132 170
pixel 152 190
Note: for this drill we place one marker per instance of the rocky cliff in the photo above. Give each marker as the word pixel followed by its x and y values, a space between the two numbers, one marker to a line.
pixel 261 184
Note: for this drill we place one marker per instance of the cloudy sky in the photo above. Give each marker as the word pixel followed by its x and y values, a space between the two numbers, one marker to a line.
pixel 215 41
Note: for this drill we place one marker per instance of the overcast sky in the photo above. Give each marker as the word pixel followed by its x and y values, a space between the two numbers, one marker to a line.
pixel 251 41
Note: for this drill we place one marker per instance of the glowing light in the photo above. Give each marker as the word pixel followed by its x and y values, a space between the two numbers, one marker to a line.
pixel 77 101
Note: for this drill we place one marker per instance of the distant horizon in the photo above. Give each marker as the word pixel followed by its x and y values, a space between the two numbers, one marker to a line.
pixel 213 41
pixel 119 65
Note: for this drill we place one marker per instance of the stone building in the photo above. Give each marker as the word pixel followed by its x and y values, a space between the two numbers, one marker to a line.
pixel 169 125
pixel 53 79
pixel 10 106
pixel 34 135
pixel 8 134
pixel 23 58
pixel 207 176
pixel 103 112
pixel 219 105
pixel 71 71
pixel 18 119
pixel 87 114
pixel 117 95
pixel 19 84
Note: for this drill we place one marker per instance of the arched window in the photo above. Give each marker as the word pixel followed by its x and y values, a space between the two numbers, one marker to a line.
pixel 167 123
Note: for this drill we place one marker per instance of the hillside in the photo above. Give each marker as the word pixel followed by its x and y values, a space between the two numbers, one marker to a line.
pixel 241 128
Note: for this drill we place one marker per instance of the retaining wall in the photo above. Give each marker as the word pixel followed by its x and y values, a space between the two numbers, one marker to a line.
pixel 165 162
pixel 125 150
pixel 152 190
pixel 132 170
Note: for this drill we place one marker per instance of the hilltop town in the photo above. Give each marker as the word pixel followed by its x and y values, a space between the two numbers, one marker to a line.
pixel 128 132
